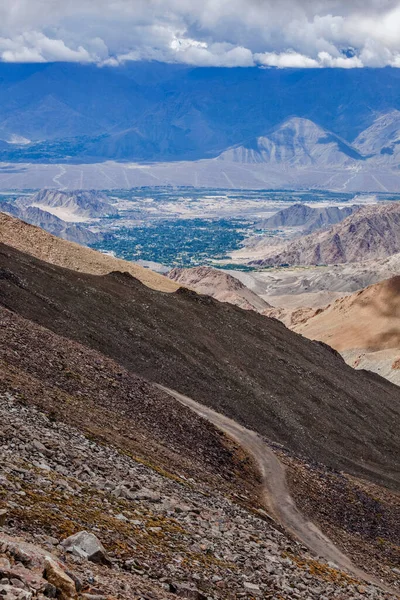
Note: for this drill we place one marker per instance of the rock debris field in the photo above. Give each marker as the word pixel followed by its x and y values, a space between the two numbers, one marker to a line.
pixel 148 535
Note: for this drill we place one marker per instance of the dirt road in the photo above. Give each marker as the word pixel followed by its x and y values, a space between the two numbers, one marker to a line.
pixel 276 494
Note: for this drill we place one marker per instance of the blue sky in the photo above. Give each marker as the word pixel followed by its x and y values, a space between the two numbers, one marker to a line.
pixel 278 33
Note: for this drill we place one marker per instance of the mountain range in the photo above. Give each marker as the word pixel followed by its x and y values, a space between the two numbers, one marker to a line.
pixel 69 206
pixel 307 217
pixel 372 232
pixel 154 112
pixel 61 213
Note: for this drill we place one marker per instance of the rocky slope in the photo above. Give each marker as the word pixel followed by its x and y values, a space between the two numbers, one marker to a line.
pixel 308 218
pixel 108 402
pixel 373 232
pixel 220 285
pixel 161 503
pixel 382 138
pixel 87 434
pixel 296 392
pixel 41 244
pixel 145 535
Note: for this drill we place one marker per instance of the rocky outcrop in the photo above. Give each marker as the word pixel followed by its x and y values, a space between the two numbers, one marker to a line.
pixel 86 545
pixel 57 577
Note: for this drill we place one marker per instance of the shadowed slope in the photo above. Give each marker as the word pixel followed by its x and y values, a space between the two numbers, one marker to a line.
pixel 84 388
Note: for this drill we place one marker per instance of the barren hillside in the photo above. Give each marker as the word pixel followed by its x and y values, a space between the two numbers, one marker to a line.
pixel 368 319
pixel 45 246
pixel 364 327
pixel 373 232
pixel 220 285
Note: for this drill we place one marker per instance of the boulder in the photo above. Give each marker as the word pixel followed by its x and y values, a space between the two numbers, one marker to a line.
pixel 186 590
pixel 56 576
pixel 146 494
pixel 86 545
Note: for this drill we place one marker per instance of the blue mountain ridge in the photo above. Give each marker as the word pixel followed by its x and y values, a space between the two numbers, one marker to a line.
pixel 164 112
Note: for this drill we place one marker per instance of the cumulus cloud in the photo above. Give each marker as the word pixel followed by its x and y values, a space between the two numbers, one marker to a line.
pixel 229 33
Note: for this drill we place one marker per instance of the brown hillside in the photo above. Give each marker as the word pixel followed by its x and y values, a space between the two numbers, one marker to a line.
pixel 43 245
pixel 84 388
pixel 220 285
pixel 368 320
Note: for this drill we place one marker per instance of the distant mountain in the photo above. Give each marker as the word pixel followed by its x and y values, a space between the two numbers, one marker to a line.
pixel 307 217
pixel 219 285
pixel 153 112
pixel 382 137
pixel 52 224
pixel 70 206
pixel 297 142
pixel 371 232
pixel 60 213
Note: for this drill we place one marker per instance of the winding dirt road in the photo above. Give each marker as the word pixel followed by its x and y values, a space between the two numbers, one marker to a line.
pixel 276 494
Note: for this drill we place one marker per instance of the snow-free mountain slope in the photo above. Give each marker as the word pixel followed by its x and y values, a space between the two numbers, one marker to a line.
pixel 70 206
pixel 368 319
pixel 52 224
pixel 317 286
pixel 372 232
pixel 45 246
pixel 76 456
pixel 308 217
pixel 297 142
pixel 364 327
pixel 382 137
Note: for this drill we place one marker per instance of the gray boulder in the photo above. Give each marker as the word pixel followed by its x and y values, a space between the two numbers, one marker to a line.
pixel 86 545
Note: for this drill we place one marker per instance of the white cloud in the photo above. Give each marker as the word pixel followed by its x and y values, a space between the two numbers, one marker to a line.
pixel 285 60
pixel 288 33
pixel 34 46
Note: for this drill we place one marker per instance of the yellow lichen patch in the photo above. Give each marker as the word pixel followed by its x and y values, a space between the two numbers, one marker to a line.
pixel 321 570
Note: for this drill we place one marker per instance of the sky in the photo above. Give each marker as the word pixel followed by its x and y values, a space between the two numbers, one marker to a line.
pixel 229 33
